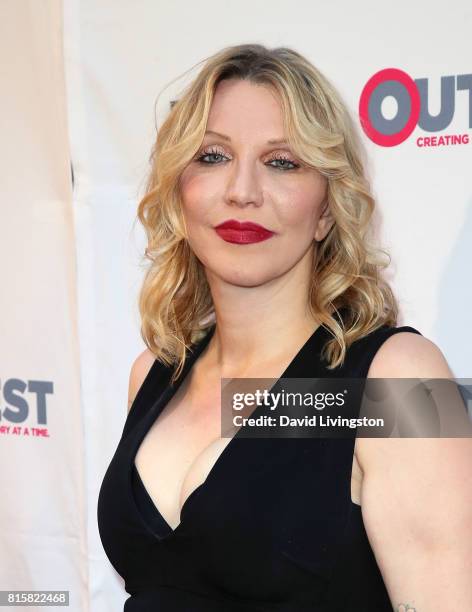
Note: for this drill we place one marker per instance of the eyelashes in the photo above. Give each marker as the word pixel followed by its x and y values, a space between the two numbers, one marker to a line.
pixel 286 163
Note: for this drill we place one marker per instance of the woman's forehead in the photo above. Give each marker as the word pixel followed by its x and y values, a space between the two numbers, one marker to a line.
pixel 242 107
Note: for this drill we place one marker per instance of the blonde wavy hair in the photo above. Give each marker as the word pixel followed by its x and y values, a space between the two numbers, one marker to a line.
pixel 175 303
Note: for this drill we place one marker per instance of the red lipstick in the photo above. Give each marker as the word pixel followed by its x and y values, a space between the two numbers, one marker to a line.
pixel 242 232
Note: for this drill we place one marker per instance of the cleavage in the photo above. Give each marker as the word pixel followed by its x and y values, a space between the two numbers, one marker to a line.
pixel 180 449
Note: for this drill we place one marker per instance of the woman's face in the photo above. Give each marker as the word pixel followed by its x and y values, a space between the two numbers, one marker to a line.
pixel 238 174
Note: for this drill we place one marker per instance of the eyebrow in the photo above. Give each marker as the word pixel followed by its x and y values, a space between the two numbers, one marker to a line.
pixel 228 139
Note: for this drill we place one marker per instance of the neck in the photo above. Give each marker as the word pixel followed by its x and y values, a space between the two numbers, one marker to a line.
pixel 260 324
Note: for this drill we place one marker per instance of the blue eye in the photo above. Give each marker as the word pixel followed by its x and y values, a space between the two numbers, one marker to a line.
pixel 202 157
pixel 212 158
pixel 284 167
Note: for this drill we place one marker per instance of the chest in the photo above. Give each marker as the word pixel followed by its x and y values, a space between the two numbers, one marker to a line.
pixel 184 444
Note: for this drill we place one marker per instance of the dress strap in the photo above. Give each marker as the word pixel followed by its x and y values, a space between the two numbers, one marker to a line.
pixel 157 380
pixel 362 352
pixel 151 388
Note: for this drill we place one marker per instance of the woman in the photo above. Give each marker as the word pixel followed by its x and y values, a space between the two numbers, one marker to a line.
pixel 258 214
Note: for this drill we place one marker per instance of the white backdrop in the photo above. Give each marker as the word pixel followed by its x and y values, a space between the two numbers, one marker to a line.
pixel 117 57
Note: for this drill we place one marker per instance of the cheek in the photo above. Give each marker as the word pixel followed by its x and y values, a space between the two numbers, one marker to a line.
pixel 190 192
pixel 299 210
pixel 199 195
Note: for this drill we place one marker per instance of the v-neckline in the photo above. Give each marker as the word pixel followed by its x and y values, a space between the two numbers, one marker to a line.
pixel 156 411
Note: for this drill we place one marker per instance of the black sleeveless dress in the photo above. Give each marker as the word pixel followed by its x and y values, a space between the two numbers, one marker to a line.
pixel 272 528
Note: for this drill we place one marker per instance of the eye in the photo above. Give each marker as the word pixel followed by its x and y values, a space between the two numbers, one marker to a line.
pixel 213 156
pixel 285 163
pixel 207 154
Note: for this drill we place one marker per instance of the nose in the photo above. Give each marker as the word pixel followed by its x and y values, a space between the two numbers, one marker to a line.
pixel 243 187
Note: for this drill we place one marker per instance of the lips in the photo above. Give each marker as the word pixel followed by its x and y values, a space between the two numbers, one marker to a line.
pixel 242 232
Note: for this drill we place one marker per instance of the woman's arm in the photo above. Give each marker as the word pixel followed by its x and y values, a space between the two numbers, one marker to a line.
pixel 417 497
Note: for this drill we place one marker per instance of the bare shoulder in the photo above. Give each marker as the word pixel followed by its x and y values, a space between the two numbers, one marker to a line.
pixel 409 355
pixel 402 355
pixel 139 370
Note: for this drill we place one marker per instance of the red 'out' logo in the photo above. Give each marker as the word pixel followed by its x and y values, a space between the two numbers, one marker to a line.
pixel 411 96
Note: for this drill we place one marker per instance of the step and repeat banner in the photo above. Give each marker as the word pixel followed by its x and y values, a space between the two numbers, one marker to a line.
pixel 43 516
pixel 84 85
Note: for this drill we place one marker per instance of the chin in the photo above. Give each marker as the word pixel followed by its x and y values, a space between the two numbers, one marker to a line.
pixel 241 276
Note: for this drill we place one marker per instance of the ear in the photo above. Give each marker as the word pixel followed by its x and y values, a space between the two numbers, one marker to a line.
pixel 325 222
